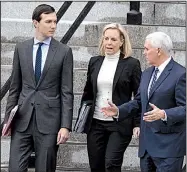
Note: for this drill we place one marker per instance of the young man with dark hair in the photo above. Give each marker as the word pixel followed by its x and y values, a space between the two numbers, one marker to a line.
pixel 42 87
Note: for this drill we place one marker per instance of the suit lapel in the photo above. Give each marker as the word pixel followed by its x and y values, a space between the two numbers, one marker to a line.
pixel 96 72
pixel 162 77
pixel 29 56
pixel 50 55
pixel 119 69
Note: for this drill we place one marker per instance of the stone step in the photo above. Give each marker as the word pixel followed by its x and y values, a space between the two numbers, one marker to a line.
pixel 59 169
pixel 87 35
pixel 78 139
pixel 159 13
pixel 82 55
pixel 74 155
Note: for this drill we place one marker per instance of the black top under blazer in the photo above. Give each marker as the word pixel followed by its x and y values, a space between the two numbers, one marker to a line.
pixel 126 81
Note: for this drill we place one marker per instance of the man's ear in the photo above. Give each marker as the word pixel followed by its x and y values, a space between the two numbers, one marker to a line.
pixel 35 23
pixel 159 51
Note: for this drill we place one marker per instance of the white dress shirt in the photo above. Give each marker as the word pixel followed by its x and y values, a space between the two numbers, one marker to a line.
pixel 44 48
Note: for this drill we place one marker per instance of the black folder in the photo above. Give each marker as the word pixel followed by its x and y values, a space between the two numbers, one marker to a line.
pixel 82 116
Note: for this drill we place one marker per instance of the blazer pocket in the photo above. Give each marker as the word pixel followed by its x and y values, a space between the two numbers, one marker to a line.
pixel 173 129
pixel 167 130
pixel 54 103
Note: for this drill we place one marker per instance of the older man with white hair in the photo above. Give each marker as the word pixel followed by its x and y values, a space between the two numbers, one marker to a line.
pixel 161 99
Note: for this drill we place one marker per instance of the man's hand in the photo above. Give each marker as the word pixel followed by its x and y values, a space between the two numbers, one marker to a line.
pixel 136 132
pixel 63 136
pixel 111 110
pixel 154 115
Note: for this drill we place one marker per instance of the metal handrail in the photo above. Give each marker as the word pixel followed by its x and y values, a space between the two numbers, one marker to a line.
pixel 66 37
pixel 60 13
pixel 5 87
pixel 63 9
pixel 77 22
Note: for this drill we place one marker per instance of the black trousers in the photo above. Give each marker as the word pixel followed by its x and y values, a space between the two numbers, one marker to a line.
pixel 22 145
pixel 106 146
pixel 154 164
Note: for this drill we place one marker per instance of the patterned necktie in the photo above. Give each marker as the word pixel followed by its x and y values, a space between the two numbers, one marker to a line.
pixel 153 80
pixel 38 62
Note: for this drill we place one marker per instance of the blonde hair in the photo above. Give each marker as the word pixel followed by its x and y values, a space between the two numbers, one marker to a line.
pixel 126 48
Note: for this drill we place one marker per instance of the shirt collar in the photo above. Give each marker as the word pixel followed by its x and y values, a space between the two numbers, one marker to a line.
pixel 46 41
pixel 113 56
pixel 163 65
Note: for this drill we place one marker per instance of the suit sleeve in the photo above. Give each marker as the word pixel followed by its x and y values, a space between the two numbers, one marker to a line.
pixel 15 85
pixel 136 76
pixel 67 91
pixel 132 108
pixel 178 113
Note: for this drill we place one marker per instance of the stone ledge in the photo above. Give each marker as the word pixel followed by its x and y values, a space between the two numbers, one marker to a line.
pixel 75 156
pixel 88 34
pixel 78 157
pixel 82 55
pixel 116 11
pixel 75 139
pixel 61 169
pixel 165 15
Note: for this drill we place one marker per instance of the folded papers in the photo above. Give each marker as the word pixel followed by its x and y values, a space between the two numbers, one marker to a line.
pixel 7 125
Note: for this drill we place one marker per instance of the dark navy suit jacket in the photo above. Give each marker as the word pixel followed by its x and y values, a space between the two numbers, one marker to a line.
pixel 161 139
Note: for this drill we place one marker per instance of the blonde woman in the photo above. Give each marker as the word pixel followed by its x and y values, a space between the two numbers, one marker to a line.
pixel 113 75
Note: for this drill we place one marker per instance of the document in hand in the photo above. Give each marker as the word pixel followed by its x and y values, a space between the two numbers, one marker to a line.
pixel 7 126
pixel 82 117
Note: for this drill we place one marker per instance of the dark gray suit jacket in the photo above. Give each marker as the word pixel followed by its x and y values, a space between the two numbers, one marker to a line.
pixel 52 97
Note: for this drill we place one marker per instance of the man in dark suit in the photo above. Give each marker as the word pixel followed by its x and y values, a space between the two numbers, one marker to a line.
pixel 162 100
pixel 42 86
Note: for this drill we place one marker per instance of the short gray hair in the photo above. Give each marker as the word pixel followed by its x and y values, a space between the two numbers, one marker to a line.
pixel 161 40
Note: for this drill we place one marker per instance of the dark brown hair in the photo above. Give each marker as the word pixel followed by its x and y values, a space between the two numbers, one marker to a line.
pixel 40 9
